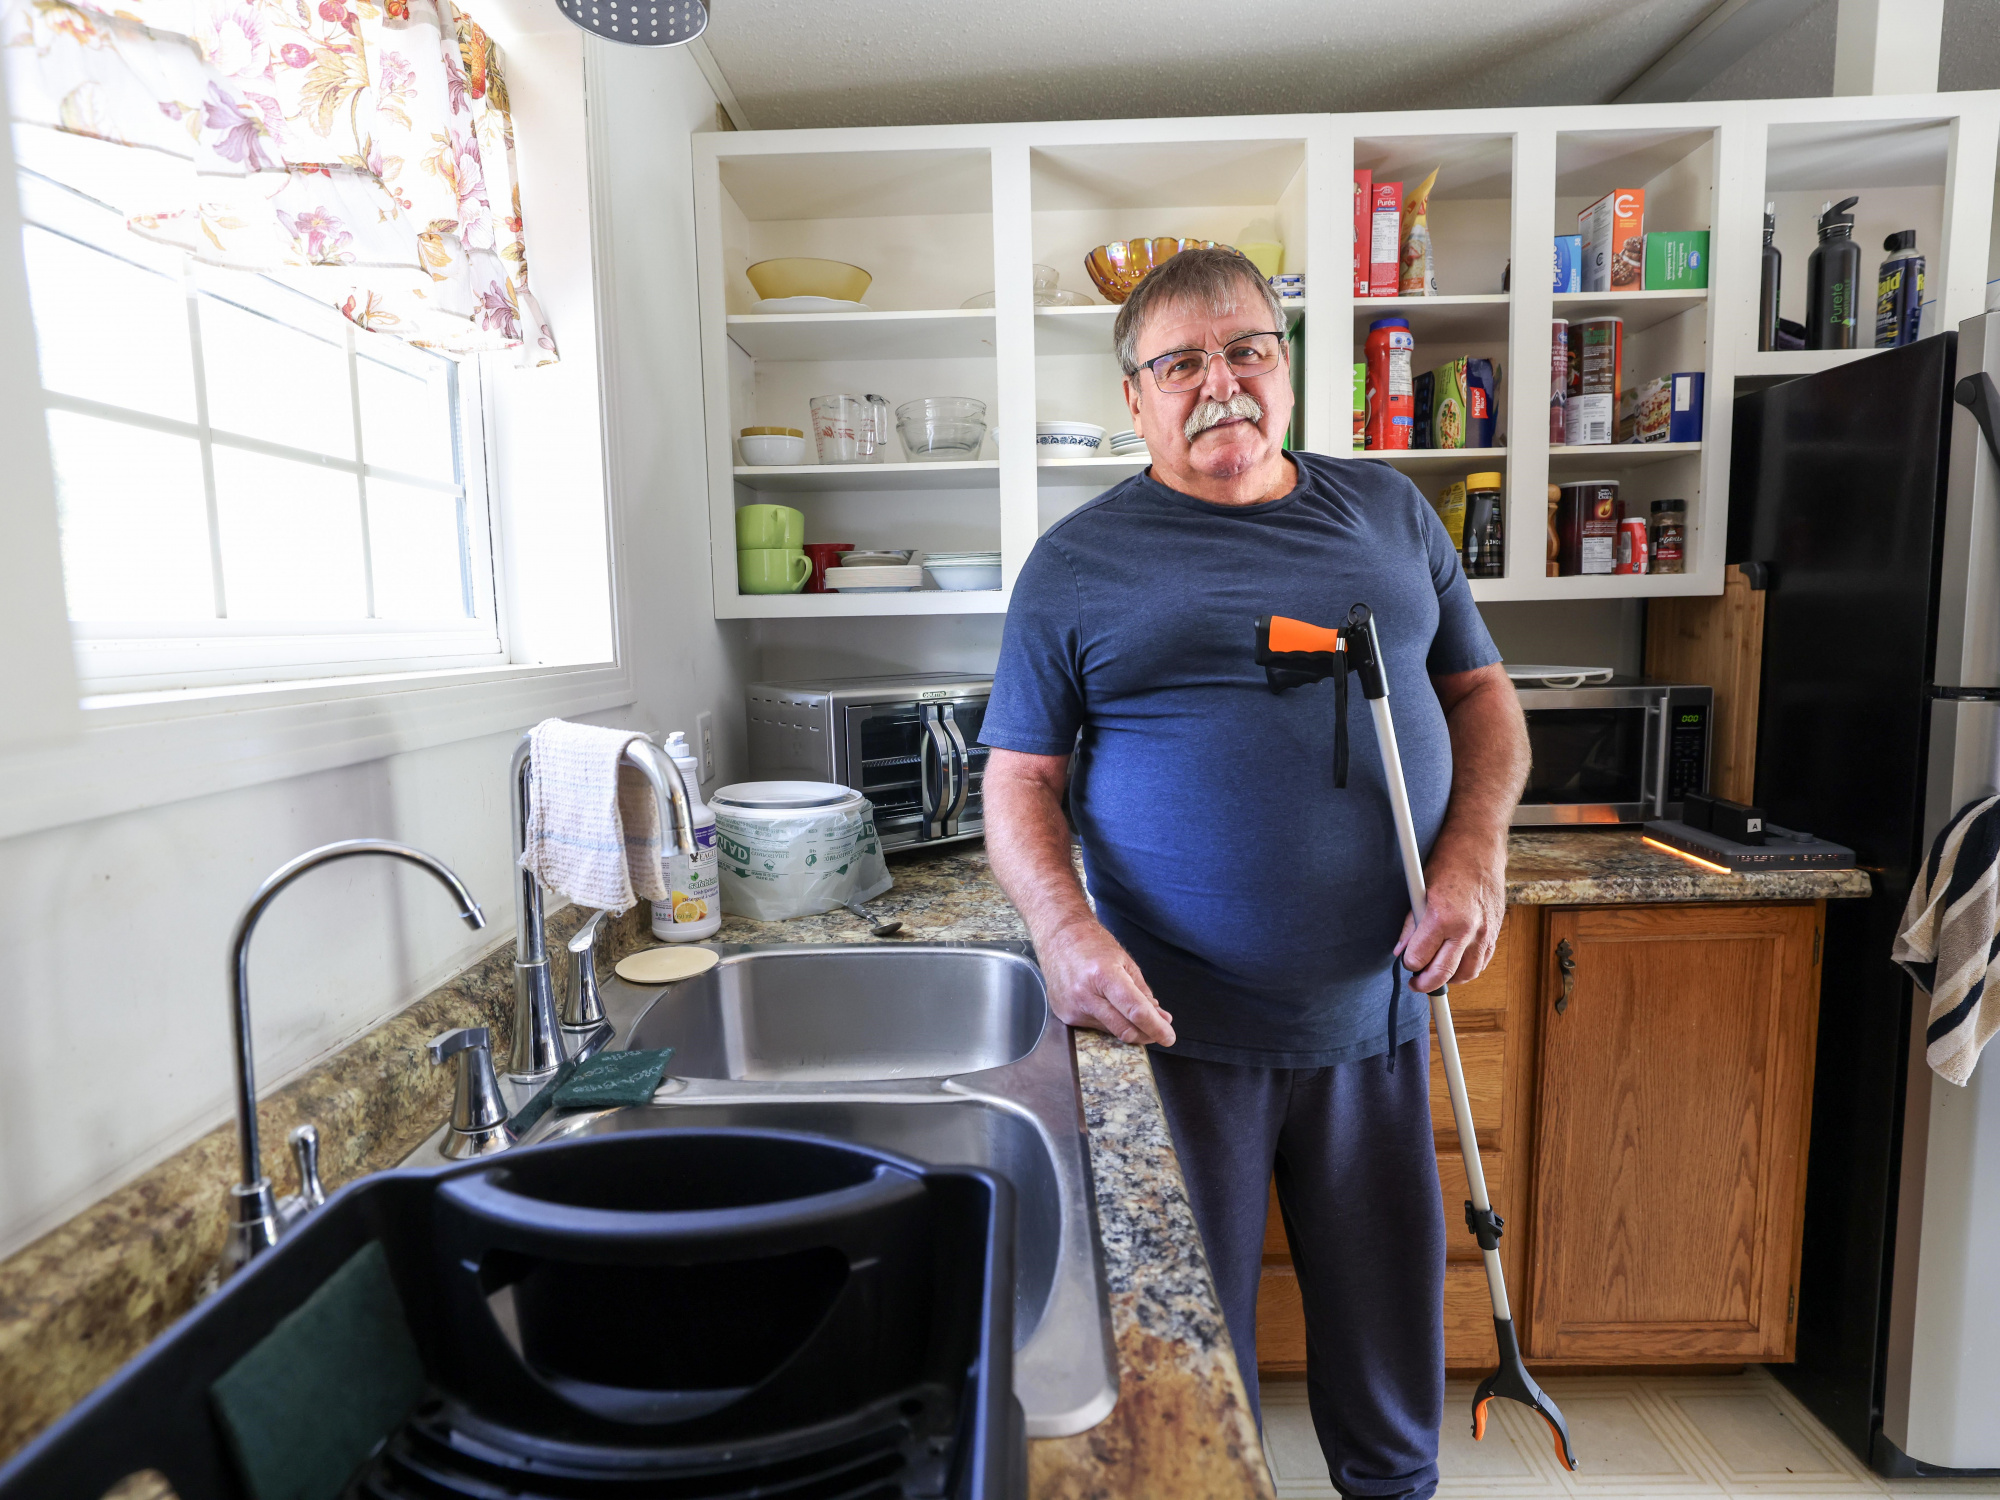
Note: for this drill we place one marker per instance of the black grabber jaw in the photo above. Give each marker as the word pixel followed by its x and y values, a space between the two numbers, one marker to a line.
pixel 1513 1381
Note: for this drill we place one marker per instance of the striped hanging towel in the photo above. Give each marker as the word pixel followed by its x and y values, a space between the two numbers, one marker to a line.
pixel 1950 940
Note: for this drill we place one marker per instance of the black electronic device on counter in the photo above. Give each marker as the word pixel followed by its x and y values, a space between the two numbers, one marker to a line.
pixel 1734 821
pixel 690 1311
pixel 1776 848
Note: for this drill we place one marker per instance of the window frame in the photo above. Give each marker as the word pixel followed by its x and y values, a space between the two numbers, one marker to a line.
pixel 147 656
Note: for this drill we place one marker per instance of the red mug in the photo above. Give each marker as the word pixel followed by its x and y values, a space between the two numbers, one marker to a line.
pixel 823 555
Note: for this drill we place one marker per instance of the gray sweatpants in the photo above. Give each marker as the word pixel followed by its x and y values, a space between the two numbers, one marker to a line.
pixel 1351 1151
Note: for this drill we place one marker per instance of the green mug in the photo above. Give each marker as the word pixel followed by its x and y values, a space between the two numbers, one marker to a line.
pixel 760 527
pixel 771 570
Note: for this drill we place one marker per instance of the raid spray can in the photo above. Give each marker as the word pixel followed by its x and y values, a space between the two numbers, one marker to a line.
pixel 1833 280
pixel 1899 291
pixel 1768 283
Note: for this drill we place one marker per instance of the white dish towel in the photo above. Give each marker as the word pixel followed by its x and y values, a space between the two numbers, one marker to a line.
pixel 1950 937
pixel 593 824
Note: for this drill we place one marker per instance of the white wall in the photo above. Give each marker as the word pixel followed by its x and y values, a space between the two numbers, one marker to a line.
pixel 114 1011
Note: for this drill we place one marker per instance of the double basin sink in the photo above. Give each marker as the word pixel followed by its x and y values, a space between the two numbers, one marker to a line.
pixel 946 1054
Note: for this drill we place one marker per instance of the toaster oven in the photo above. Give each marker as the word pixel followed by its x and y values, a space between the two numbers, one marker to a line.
pixel 1622 751
pixel 909 744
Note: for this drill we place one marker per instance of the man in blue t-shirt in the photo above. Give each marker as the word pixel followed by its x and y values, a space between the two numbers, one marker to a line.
pixel 1250 920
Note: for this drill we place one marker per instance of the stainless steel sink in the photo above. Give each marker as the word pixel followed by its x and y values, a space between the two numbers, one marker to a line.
pixel 849 1014
pixel 944 1053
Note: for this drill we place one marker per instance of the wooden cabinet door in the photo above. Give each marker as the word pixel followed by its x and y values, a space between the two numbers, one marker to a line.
pixel 1673 1094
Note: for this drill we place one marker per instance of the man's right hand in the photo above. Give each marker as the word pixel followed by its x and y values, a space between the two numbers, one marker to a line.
pixel 1093 982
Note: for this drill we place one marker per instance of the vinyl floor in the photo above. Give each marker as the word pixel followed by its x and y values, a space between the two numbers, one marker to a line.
pixel 1637 1438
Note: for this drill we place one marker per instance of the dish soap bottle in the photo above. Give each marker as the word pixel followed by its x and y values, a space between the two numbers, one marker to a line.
pixel 1899 292
pixel 694 881
pixel 1833 279
pixel 1767 286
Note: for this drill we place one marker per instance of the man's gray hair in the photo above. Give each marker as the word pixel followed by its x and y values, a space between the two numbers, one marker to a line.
pixel 1215 278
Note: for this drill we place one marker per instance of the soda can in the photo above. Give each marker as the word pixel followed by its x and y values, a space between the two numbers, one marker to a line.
pixel 1631 556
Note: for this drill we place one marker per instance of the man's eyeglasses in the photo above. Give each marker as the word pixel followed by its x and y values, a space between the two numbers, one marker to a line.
pixel 1186 369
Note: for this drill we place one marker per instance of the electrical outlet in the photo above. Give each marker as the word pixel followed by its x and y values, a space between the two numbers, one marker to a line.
pixel 704 734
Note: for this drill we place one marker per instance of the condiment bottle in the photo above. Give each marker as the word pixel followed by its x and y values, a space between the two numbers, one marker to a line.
pixel 1484 549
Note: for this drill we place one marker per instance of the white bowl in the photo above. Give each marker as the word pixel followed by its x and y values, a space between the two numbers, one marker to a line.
pixel 772 448
pixel 1054 440
pixel 960 577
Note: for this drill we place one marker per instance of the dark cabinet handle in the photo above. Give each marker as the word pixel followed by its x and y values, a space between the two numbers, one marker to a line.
pixel 1566 962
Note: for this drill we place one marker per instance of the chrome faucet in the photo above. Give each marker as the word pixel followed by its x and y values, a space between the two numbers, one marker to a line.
pixel 585 1029
pixel 537 1048
pixel 256 1222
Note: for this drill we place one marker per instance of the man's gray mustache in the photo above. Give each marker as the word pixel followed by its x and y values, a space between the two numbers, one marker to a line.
pixel 1208 413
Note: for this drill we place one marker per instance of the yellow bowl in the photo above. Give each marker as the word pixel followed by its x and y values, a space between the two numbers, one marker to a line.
pixel 1120 266
pixel 798 276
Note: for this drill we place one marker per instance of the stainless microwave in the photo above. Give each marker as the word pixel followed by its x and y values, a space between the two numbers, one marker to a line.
pixel 1621 751
pixel 909 744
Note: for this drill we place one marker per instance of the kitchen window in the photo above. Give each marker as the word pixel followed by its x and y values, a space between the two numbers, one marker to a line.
pixel 251 487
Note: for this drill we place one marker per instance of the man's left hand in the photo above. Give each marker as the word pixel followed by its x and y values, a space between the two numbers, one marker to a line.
pixel 1463 908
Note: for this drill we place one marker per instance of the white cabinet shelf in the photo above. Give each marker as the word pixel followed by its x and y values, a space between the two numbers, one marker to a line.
pixel 939 214
pixel 1439 460
pixel 1479 317
pixel 1572 460
pixel 808 479
pixel 1640 310
pixel 1087 330
pixel 960 333
pixel 735 606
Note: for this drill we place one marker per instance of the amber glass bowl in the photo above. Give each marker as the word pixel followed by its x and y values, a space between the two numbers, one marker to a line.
pixel 801 276
pixel 1120 266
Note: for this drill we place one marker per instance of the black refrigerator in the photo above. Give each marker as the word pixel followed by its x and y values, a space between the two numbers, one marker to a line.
pixel 1866 498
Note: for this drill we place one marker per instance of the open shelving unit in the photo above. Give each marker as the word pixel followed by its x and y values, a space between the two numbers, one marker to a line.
pixel 941 214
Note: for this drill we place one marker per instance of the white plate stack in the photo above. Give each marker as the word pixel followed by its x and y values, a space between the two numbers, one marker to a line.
pixel 1126 444
pixel 959 571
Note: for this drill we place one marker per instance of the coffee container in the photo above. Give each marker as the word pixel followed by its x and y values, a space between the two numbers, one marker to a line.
pixel 1669 536
pixel 1483 548
pixel 1596 354
pixel 1631 555
pixel 1587 520
pixel 1392 404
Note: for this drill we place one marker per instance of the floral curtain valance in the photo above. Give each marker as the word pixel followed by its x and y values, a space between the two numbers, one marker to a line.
pixel 363 151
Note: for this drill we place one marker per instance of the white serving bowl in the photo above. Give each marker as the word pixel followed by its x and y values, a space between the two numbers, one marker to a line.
pixel 1054 440
pixel 772 448
pixel 959 577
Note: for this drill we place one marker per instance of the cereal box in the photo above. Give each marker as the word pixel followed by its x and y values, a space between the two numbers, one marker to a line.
pixel 1613 230
pixel 1385 238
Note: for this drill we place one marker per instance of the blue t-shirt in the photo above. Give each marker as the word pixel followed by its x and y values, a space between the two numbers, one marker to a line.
pixel 1260 903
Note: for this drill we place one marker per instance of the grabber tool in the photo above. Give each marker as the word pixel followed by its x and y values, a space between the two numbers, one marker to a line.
pixel 1293 654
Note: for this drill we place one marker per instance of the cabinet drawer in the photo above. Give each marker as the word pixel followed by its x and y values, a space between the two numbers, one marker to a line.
pixel 1468 1320
pixel 1484 1057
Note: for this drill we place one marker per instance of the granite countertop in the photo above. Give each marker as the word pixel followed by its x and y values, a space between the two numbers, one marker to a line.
pixel 1614 866
pixel 87 1296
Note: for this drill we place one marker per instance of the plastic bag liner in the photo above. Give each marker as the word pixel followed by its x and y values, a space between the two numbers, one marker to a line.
pixel 780 865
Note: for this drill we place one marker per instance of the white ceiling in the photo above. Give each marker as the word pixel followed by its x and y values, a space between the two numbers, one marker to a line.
pixel 926 62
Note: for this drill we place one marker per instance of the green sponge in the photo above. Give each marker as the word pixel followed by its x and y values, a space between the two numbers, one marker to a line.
pixel 316 1396
pixel 607 1079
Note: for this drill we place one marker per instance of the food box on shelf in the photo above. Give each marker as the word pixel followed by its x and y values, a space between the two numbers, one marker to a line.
pixel 1613 230
pixel 1569 263
pixel 1676 260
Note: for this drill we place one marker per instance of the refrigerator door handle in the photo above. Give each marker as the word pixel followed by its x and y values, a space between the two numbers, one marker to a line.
pixel 1978 395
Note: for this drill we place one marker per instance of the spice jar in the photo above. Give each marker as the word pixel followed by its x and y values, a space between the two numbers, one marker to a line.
pixel 1670 536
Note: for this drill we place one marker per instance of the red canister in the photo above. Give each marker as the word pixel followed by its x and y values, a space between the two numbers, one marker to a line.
pixel 1632 548
pixel 1392 397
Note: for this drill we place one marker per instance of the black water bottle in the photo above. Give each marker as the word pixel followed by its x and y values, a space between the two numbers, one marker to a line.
pixel 1833 280
pixel 1767 286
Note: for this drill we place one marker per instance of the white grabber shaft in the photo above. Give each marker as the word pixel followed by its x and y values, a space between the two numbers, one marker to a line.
pixel 1454 1070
